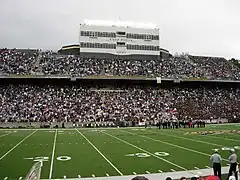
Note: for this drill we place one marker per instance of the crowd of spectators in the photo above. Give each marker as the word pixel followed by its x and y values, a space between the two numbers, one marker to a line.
pixel 81 104
pixel 18 62
pixel 14 61
pixel 216 68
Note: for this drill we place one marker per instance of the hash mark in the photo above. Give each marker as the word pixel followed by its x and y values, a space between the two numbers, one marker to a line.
pixel 93 175
pixel 79 176
pixel 147 172
pixel 160 171
pixel 196 168
pixel 107 175
pixel 20 178
pixel 172 170
pixel 134 173
pixel 64 177
pixel 207 166
pixel 5 178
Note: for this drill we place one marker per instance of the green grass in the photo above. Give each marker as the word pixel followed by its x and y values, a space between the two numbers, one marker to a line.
pixel 100 152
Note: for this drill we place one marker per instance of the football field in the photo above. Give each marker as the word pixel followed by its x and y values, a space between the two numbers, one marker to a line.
pixel 80 153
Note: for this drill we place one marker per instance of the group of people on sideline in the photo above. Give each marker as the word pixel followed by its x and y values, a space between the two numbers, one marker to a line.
pixel 233 173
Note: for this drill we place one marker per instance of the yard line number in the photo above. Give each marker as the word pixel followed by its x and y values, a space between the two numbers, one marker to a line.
pixel 145 155
pixel 44 158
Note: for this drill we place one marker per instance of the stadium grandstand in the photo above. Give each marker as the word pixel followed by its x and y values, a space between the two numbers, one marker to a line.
pixel 114 106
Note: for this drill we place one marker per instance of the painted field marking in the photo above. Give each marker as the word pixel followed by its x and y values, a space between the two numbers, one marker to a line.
pixel 134 173
pixel 65 177
pixel 53 152
pixel 17 144
pixel 5 178
pixel 207 167
pixel 196 168
pixel 100 153
pixel 228 164
pixel 172 170
pixel 147 172
pixel 93 175
pixel 190 139
pixel 107 174
pixel 20 178
pixel 183 168
pixel 5 134
pixel 160 171
pixel 174 145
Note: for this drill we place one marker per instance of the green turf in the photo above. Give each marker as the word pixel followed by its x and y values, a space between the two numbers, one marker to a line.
pixel 103 152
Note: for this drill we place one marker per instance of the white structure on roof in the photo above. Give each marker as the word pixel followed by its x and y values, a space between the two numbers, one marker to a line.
pixel 119 38
pixel 120 24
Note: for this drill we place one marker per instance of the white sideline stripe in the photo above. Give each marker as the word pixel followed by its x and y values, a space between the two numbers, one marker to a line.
pixel 207 167
pixel 158 176
pixel 17 144
pixel 100 153
pixel 187 149
pixel 183 168
pixel 107 175
pixel 160 171
pixel 195 140
pixel 134 173
pixel 5 134
pixel 172 170
pixel 196 168
pixel 147 172
pixel 53 152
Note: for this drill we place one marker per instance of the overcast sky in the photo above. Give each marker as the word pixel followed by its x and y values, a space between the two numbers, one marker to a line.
pixel 202 27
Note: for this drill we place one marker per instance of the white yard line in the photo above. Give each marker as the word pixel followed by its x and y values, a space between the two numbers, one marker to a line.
pixel 174 145
pixel 204 142
pixel 17 145
pixel 5 134
pixel 53 152
pixel 100 153
pixel 154 155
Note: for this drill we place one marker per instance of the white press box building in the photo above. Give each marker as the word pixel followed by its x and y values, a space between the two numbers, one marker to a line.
pixel 122 39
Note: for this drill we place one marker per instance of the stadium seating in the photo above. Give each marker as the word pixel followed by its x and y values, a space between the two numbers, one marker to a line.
pixel 17 62
pixel 21 62
pixel 78 103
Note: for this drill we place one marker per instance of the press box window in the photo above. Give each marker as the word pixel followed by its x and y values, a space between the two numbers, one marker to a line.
pixel 121 44
pixel 121 33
